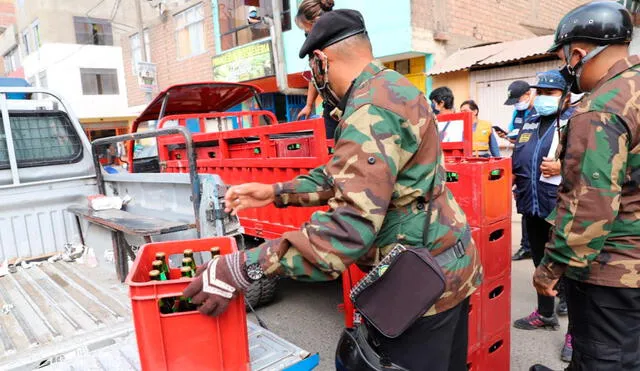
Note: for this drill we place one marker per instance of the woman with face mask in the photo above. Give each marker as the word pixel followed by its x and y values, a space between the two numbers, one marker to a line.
pixel 536 178
pixel 308 12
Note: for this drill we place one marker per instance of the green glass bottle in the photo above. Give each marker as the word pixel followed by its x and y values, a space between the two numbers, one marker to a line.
pixel 163 303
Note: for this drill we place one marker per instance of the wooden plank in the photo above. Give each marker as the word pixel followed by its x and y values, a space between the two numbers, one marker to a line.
pixel 126 222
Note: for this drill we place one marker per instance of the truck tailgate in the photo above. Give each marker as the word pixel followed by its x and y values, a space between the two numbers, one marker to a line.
pixel 66 316
pixel 52 309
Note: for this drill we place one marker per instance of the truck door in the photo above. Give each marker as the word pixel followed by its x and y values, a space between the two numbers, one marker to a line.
pixel 45 166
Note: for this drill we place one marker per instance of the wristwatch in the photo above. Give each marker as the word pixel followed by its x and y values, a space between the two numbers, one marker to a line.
pixel 254 271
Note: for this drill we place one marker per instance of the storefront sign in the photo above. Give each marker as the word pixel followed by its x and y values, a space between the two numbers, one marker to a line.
pixel 245 63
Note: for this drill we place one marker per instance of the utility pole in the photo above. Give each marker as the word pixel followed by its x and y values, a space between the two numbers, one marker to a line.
pixel 143 44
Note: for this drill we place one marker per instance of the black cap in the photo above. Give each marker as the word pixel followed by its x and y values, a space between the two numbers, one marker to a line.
pixel 333 27
pixel 602 23
pixel 516 89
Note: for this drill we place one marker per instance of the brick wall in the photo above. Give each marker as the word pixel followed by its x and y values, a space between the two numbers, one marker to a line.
pixel 169 69
pixel 7 13
pixel 471 22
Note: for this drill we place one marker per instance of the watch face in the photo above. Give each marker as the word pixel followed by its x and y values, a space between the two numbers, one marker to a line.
pixel 254 271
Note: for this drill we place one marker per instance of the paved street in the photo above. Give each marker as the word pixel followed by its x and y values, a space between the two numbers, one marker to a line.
pixel 306 315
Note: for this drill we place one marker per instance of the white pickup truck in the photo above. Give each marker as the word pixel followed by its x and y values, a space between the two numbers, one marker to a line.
pixel 63 305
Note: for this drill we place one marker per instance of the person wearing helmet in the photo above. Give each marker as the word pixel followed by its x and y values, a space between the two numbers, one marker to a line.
pixel 595 243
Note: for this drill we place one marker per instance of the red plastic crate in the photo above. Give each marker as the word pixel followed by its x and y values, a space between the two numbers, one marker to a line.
pixel 496 351
pixel 208 152
pixel 496 306
pixel 188 340
pixel 293 147
pixel 350 277
pixel 494 247
pixel 251 150
pixel 482 187
pixel 475 320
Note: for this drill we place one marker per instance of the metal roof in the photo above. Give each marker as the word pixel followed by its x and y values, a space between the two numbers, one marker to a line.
pixel 493 54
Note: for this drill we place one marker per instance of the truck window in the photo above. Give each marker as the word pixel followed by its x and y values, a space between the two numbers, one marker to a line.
pixel 40 138
pixel 145 148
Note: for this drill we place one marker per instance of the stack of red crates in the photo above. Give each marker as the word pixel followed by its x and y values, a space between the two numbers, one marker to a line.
pixel 482 187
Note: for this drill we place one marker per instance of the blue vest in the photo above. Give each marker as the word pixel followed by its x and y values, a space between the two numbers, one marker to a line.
pixel 533 197
pixel 519 117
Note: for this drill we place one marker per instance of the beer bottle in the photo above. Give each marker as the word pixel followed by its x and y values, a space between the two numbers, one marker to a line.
pixel 158 265
pixel 215 251
pixel 187 272
pixel 183 303
pixel 163 258
pixel 163 304
pixel 188 262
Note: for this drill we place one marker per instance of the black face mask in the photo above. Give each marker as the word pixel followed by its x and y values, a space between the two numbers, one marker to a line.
pixel 320 78
pixel 569 75
pixel 434 109
pixel 572 74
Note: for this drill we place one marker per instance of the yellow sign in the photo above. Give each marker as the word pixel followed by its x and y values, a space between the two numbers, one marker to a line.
pixel 245 63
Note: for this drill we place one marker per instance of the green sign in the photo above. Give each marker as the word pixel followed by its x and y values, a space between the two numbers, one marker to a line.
pixel 245 63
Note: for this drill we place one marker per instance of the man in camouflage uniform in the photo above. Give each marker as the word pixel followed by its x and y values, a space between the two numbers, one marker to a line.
pixel 596 239
pixel 377 185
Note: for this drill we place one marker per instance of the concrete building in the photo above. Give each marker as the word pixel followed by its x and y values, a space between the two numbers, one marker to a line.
pixel 73 48
pixel 179 42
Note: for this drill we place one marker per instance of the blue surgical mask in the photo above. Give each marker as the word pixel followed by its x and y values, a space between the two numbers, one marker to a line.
pixel 522 106
pixel 546 104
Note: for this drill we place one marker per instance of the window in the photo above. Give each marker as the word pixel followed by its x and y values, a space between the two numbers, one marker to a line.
pixel 190 32
pixel 42 78
pixel 99 81
pixel 26 42
pixel 242 21
pixel 402 67
pixel 136 49
pixel 12 60
pixel 35 30
pixel 93 31
pixel 41 138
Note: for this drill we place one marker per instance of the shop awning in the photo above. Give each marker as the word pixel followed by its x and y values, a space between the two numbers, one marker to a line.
pixel 494 54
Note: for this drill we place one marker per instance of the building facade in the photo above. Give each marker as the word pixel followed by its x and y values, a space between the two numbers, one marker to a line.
pixel 73 48
pixel 233 43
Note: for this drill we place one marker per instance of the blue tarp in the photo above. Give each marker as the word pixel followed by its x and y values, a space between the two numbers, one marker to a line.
pixel 14 82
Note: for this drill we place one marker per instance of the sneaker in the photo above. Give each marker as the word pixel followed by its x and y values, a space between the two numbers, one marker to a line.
pixel 561 309
pixel 539 367
pixel 521 254
pixel 535 321
pixel 567 349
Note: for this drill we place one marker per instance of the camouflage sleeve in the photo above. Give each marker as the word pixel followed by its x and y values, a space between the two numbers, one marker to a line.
pixel 363 170
pixel 313 189
pixel 593 171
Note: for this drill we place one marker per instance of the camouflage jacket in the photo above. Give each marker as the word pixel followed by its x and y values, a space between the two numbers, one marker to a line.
pixel 596 238
pixel 375 185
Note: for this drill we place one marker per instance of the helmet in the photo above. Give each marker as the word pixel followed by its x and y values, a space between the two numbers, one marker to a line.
pixel 602 23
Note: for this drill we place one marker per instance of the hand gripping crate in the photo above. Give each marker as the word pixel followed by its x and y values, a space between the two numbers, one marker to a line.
pixel 185 340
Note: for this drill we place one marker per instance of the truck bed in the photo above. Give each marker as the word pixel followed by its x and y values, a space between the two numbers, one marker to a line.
pixel 66 316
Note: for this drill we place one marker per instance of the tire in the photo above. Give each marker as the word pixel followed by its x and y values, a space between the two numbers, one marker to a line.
pixel 261 293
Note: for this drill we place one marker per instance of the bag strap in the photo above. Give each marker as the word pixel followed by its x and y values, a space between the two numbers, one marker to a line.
pixel 425 230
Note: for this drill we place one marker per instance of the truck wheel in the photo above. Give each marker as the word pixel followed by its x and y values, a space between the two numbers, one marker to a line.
pixel 261 293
